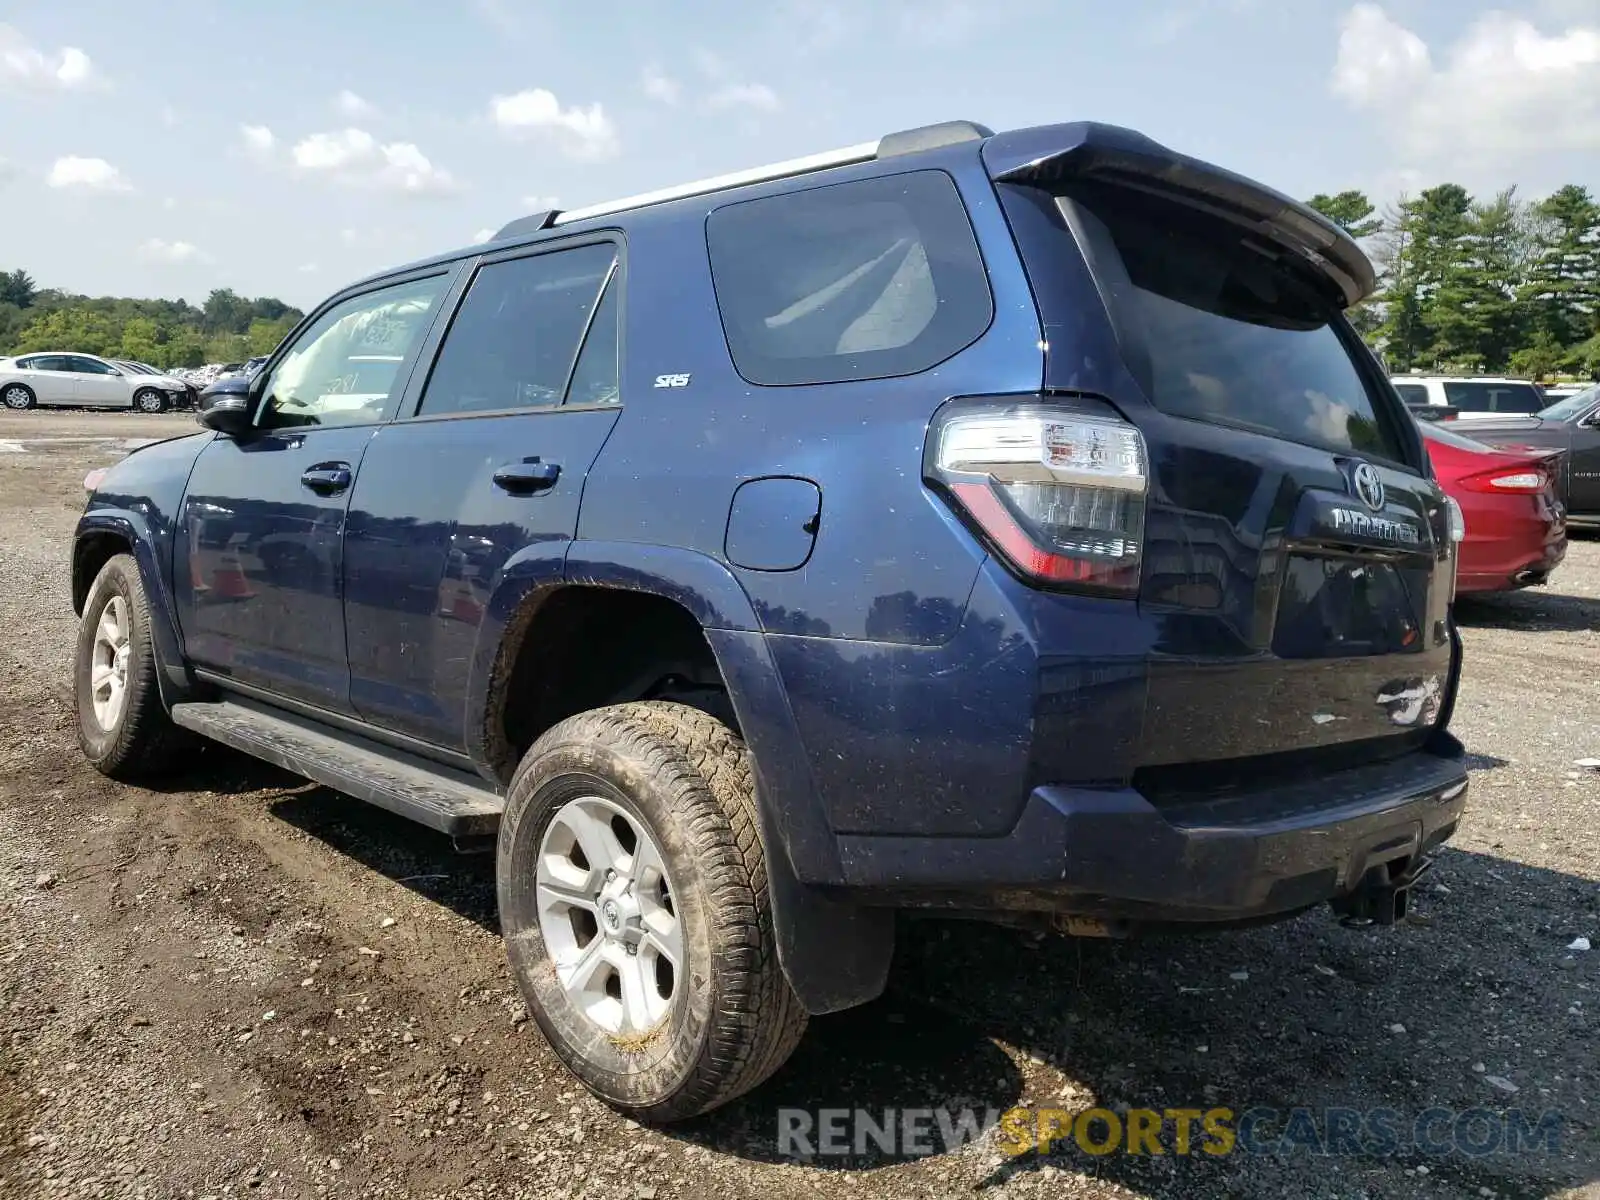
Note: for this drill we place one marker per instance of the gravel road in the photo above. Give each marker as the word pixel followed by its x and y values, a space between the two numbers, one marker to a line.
pixel 244 984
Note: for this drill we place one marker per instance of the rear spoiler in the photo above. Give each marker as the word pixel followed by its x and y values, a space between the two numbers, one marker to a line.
pixel 1052 154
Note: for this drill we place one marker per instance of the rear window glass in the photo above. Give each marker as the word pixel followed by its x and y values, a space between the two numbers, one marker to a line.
pixel 858 280
pixel 1223 329
pixel 1475 396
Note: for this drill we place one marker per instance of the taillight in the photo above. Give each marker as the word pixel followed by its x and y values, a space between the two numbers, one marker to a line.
pixel 91 481
pixel 1056 487
pixel 1524 480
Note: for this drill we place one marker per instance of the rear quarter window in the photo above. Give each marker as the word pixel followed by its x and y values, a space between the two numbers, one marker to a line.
pixel 865 280
pixel 1412 393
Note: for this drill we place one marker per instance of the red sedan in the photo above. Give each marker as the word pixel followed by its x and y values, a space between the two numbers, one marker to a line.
pixel 1516 526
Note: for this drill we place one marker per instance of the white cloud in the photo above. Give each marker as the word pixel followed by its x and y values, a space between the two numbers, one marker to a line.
pixel 534 204
pixel 659 86
pixel 258 139
pixel 87 175
pixel 8 171
pixel 755 96
pixel 483 235
pixel 23 64
pixel 353 106
pixel 584 133
pixel 161 251
pixel 1503 90
pixel 310 268
pixel 353 156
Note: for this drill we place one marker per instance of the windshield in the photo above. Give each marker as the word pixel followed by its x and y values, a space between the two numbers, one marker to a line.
pixel 1232 333
pixel 1565 410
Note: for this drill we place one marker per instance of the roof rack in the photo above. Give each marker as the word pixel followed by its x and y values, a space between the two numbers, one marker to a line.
pixel 907 141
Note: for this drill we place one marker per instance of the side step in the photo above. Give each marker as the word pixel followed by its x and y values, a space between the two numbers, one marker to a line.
pixel 432 795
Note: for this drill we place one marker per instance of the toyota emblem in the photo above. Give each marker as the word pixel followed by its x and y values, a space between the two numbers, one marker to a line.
pixel 1368 485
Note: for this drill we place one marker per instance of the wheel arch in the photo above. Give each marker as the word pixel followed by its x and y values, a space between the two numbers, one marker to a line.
pixel 836 955
pixel 100 537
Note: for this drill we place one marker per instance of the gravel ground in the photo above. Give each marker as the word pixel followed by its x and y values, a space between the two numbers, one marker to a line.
pixel 246 984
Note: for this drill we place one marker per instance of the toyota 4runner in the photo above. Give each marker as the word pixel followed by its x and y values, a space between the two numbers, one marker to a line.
pixel 1005 525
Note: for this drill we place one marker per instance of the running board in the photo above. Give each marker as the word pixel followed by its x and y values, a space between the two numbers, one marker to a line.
pixel 430 794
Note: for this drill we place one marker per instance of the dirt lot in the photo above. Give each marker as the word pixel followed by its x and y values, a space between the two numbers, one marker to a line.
pixel 203 994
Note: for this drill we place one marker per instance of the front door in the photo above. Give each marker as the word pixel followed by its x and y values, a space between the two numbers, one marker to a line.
pixel 258 558
pixel 97 384
pixel 520 399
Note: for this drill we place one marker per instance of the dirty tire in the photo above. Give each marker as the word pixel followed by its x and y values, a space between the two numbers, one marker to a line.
pixel 149 400
pixel 687 777
pixel 143 742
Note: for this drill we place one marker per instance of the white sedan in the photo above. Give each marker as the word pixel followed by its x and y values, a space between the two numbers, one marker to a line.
pixel 84 381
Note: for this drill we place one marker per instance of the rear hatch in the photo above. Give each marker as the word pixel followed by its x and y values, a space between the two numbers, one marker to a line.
pixel 1296 566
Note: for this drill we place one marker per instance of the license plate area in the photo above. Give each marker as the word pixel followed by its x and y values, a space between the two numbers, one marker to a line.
pixel 1344 607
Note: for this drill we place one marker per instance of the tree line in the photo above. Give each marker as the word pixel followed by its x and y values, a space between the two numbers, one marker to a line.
pixel 1468 284
pixel 164 333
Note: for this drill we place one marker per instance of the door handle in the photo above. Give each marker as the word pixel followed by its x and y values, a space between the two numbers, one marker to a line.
pixel 327 479
pixel 527 477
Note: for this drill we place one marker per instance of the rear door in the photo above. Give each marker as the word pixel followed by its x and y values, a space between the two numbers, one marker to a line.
pixel 1296 569
pixel 490 464
pixel 50 376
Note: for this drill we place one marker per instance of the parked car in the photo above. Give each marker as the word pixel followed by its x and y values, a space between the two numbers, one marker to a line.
pixel 138 368
pixel 747 561
pixel 1571 425
pixel 1474 397
pixel 1554 392
pixel 84 381
pixel 1516 524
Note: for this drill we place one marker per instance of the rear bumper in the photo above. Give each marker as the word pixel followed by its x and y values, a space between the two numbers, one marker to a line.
pixel 1116 855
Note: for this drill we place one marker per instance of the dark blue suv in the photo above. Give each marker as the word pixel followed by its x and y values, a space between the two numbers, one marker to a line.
pixel 1006 525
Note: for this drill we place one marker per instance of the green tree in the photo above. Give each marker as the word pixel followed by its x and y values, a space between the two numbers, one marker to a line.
pixel 264 335
pixel 225 312
pixel 141 340
pixel 1474 313
pixel 227 348
pixel 185 348
pixel 1351 211
pixel 17 287
pixel 1562 290
pixel 75 328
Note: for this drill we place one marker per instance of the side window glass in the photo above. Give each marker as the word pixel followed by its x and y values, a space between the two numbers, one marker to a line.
pixel 513 341
pixel 597 377
pixel 345 368
pixel 1412 393
pixel 90 366
pixel 1469 397
pixel 863 280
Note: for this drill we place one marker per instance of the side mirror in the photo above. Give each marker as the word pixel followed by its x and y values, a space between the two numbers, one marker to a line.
pixel 226 407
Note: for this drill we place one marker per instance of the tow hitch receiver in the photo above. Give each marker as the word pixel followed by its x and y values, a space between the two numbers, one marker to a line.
pixel 1384 894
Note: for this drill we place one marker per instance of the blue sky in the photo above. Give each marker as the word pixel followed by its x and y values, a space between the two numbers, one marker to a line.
pixel 286 148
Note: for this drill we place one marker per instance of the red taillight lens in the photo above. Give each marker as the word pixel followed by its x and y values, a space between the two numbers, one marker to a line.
pixel 91 481
pixel 1057 488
